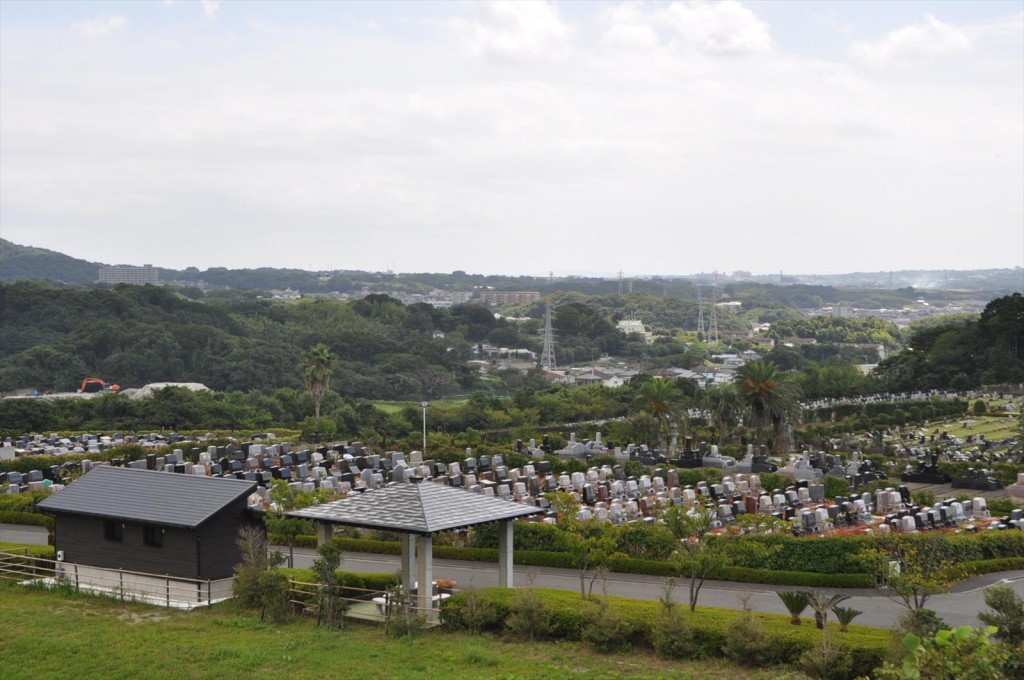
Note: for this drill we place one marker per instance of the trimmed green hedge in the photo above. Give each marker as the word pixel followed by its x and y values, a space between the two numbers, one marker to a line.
pixel 987 552
pixel 570 616
pixel 21 502
pixel 967 569
pixel 30 518
pixel 355 583
pixel 802 579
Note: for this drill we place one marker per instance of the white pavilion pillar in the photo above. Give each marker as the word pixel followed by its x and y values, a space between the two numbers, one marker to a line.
pixel 408 561
pixel 505 578
pixel 425 576
pixel 324 532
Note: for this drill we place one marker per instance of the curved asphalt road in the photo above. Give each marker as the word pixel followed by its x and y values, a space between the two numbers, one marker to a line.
pixel 959 607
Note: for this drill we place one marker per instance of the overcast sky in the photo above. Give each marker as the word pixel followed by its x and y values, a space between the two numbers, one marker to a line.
pixel 517 138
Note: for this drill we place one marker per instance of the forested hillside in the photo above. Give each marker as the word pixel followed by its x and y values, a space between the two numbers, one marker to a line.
pixel 53 337
pixel 963 353
pixel 24 262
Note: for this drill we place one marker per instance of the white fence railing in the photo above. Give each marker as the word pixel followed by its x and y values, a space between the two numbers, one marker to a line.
pixel 162 589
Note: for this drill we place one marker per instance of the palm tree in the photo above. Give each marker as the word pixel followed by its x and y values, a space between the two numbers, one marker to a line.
pixel 723 404
pixel 317 366
pixel 796 602
pixel 822 603
pixel 659 399
pixel 769 397
pixel 845 615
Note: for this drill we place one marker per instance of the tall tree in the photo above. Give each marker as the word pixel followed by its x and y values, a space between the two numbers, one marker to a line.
pixel 697 555
pixel 317 366
pixel 770 398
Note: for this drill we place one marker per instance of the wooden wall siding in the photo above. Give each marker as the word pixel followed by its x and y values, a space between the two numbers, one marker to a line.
pixel 219 551
pixel 81 539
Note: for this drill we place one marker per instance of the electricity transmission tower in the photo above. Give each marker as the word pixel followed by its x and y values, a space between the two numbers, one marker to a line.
pixel 547 355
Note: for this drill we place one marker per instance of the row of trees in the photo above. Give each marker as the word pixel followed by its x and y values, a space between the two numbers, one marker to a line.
pixel 643 411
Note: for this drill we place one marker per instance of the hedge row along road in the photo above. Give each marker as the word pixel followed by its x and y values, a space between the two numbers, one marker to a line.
pixel 960 607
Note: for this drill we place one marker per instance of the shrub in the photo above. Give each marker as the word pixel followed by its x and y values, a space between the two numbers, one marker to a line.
pixel 920 622
pixel 745 641
pixel 963 652
pixel 478 613
pixel 829 661
pixel 1007 614
pixel 29 518
pixel 646 621
pixel 923 497
pixel 606 632
pixel 530 618
pixel 672 637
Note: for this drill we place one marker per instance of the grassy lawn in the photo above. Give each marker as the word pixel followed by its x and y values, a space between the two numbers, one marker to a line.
pixel 47 634
pixel 994 429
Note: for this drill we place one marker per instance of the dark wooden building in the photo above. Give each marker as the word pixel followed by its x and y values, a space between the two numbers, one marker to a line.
pixel 179 525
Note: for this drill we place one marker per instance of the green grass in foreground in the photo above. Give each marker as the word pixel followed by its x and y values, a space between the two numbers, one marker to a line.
pixel 47 634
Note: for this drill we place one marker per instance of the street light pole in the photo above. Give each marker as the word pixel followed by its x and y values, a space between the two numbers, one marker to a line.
pixel 424 405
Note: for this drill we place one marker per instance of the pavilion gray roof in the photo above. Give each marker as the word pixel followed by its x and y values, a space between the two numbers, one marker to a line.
pixel 133 495
pixel 418 508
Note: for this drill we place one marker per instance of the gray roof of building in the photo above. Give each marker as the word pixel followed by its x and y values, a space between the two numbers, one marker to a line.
pixel 148 496
pixel 418 508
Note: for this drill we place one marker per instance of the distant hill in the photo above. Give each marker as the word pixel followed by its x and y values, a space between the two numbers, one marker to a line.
pixel 26 262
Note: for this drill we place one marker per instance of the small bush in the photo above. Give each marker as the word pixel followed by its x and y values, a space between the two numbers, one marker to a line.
pixel 829 661
pixel 672 637
pixel 530 618
pixel 1007 614
pixel 923 497
pixel 920 622
pixel 406 625
pixel 607 632
pixel 478 613
pixel 745 641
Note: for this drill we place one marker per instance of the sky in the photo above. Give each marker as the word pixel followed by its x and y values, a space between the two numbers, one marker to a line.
pixel 589 138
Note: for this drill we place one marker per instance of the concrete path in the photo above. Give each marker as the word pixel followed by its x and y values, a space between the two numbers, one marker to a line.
pixel 957 608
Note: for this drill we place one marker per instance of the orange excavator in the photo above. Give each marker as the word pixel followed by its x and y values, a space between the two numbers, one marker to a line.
pixel 97 385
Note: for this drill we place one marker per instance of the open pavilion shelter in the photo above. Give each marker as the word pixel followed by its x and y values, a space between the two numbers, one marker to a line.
pixel 417 510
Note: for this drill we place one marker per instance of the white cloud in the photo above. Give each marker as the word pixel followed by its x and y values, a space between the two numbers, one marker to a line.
pixel 924 41
pixel 101 27
pixel 1011 28
pixel 629 27
pixel 390 146
pixel 512 30
pixel 724 27
pixel 210 7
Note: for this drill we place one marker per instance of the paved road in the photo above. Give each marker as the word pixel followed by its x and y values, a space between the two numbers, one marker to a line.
pixel 23 533
pixel 959 607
